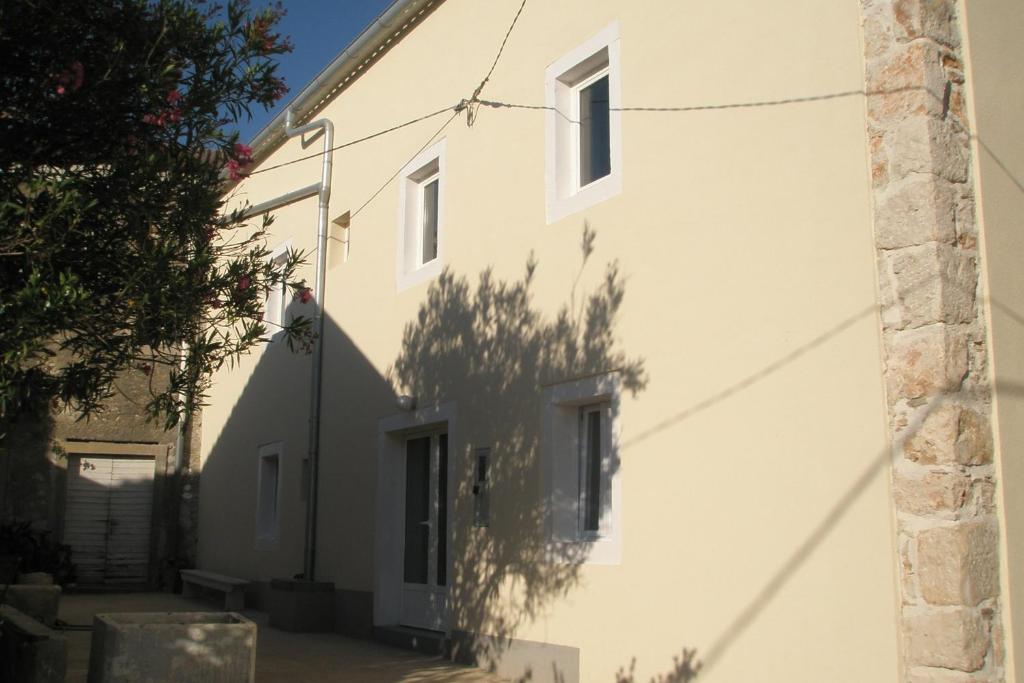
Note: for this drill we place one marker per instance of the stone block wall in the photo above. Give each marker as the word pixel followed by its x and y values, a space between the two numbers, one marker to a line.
pixel 935 342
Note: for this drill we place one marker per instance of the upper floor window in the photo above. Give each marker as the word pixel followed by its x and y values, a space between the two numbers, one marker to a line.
pixel 421 217
pixel 583 126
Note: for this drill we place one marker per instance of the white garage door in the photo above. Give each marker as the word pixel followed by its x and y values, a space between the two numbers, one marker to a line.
pixel 108 517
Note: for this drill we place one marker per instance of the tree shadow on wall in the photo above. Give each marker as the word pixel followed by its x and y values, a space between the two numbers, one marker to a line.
pixel 489 342
pixel 685 668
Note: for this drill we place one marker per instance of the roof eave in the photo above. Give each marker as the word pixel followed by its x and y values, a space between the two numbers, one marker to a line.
pixel 373 41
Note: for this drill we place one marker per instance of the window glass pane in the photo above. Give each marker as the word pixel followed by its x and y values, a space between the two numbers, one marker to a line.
pixel 595 146
pixel 417 509
pixel 592 496
pixel 429 238
pixel 481 492
pixel 268 495
pixel 442 511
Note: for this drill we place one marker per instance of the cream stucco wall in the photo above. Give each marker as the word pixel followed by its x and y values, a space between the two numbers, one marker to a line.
pixel 995 52
pixel 756 522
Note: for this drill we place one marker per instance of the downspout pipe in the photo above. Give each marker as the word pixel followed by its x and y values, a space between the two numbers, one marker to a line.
pixel 316 366
pixel 323 192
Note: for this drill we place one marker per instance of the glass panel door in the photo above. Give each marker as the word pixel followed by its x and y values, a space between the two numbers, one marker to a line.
pixel 425 576
pixel 417 510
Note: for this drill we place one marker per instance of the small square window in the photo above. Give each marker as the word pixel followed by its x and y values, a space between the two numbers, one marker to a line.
pixel 421 218
pixel 583 128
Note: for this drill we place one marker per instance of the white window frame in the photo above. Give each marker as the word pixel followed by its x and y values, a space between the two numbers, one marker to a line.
pixel 562 452
pixel 427 167
pixel 267 536
pixel 274 327
pixel 563 81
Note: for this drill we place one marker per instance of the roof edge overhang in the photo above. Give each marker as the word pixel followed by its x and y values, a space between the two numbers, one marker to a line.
pixel 377 38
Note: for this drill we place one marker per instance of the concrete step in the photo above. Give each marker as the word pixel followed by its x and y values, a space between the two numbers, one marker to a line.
pixel 409 638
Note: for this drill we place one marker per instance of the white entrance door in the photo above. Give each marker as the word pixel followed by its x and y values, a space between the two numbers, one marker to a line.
pixel 425 554
pixel 108 518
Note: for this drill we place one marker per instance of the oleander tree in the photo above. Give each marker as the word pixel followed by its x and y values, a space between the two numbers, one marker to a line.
pixel 116 144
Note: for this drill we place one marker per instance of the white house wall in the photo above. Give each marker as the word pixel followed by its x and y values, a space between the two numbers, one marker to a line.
pixel 755 510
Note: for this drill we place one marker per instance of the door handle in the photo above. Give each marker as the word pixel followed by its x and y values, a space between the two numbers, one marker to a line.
pixel 425 523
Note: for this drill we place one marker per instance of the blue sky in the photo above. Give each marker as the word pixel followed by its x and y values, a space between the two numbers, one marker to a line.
pixel 320 29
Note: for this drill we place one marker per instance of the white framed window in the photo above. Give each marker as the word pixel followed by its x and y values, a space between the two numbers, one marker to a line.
pixel 582 480
pixel 583 126
pixel 421 217
pixel 268 494
pixel 276 305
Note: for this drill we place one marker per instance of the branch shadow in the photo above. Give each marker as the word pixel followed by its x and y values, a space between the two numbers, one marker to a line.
pixel 488 341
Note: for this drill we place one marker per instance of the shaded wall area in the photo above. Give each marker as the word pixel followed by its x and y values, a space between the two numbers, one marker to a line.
pixel 36 452
pixel 264 402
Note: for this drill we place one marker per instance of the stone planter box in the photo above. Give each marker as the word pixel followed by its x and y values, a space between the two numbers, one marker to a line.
pixel 173 647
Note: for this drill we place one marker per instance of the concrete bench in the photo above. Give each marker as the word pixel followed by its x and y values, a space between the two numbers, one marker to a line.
pixel 233 589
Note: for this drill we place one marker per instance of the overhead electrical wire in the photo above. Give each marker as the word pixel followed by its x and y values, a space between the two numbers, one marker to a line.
pixel 456 108
pixel 470 106
pixel 497 104
pixel 356 141
pixel 395 174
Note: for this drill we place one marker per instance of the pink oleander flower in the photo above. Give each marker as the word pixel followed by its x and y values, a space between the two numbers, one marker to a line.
pixel 243 153
pixel 304 295
pixel 173 97
pixel 235 170
pixel 244 282
pixel 72 77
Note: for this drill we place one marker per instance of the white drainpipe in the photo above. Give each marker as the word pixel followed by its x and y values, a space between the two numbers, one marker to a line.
pixel 323 192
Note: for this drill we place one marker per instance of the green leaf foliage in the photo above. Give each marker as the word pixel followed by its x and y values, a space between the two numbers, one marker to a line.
pixel 116 141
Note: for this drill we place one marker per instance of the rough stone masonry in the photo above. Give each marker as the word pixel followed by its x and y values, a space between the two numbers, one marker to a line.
pixel 934 338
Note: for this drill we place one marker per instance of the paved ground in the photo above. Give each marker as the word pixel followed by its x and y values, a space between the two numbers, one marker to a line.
pixel 280 656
